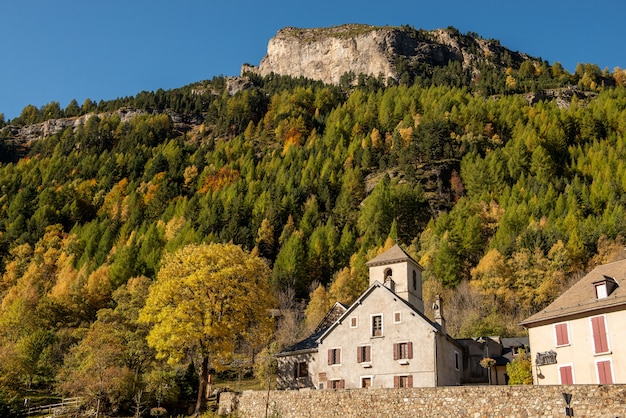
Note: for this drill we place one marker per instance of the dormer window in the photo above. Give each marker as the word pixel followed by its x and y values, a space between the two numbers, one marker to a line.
pixel 603 288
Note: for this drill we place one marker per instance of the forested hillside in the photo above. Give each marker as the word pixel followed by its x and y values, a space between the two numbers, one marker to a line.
pixel 502 202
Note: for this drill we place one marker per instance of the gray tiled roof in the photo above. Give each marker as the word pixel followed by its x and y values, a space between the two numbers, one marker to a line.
pixel 393 255
pixel 581 299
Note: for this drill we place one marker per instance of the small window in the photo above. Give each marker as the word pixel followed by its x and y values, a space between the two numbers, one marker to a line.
pixel 353 322
pixel 334 356
pixel 364 354
pixel 601 291
pixel 456 360
pixel 414 280
pixel 562 334
pixel 403 351
pixel 566 375
pixel 301 369
pixel 605 372
pixel 403 381
pixel 366 382
pixel 397 317
pixel 600 335
pixel 388 274
pixel 336 384
pixel 377 326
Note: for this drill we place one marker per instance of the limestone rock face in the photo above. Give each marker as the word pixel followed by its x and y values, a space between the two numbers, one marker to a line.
pixel 326 54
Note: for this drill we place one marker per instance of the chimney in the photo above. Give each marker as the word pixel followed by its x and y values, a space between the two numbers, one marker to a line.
pixel 438 313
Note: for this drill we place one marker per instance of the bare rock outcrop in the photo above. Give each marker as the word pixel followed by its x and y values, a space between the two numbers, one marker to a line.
pixel 326 54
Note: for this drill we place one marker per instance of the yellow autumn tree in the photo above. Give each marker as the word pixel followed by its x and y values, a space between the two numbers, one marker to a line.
pixel 206 298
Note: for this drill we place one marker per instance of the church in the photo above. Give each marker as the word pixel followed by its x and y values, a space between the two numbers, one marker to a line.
pixel 383 340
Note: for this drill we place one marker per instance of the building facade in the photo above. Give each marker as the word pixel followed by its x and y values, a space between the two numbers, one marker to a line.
pixel 581 337
pixel 383 340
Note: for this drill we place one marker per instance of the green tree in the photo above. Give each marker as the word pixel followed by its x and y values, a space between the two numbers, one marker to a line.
pixel 205 299
pixel 520 369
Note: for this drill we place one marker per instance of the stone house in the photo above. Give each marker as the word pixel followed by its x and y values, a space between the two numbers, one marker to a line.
pixel 382 340
pixel 580 338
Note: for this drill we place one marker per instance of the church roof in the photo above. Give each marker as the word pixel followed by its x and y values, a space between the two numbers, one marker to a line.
pixel 580 299
pixel 393 255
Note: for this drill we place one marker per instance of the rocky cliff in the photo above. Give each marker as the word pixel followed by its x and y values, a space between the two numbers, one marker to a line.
pixel 328 53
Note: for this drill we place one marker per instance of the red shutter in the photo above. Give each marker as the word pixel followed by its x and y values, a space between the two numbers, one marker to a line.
pixel 396 351
pixel 410 381
pixel 396 381
pixel 605 376
pixel 566 375
pixel 562 337
pixel 368 353
pixel 410 351
pixel 330 357
pixel 600 343
pixel 359 354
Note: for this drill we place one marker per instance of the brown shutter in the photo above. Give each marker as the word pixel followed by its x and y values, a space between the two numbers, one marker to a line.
pixel 396 349
pixel 396 381
pixel 410 350
pixel 368 353
pixel 342 384
pixel 359 354
pixel 410 381
pixel 561 334
pixel 600 343
pixel 604 372
pixel 566 375
pixel 330 357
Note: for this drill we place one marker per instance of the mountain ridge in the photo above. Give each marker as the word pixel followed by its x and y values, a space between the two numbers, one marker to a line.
pixel 327 54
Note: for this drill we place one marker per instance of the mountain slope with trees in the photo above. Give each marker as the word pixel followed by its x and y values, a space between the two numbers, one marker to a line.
pixel 503 200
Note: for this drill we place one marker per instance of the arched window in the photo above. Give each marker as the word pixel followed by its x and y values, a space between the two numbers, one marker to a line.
pixel 388 274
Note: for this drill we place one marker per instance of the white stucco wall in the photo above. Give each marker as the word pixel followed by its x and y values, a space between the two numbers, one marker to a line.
pixel 382 368
pixel 579 353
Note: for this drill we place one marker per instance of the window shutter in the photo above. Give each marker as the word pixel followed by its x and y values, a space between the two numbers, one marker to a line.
pixel 410 381
pixel 604 372
pixel 600 342
pixel 396 351
pixel 396 381
pixel 330 357
pixel 368 353
pixel 561 334
pixel 359 354
pixel 342 384
pixel 410 350
pixel 566 375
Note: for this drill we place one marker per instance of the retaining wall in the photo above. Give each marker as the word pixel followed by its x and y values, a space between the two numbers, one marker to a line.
pixel 450 402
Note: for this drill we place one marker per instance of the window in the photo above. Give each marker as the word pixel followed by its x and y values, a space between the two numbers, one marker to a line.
pixel 566 375
pixel 414 280
pixel 601 291
pixel 403 381
pixel 456 360
pixel 600 337
pixel 397 317
pixel 366 382
pixel 336 384
pixel 301 369
pixel 353 322
pixel 605 374
pixel 403 351
pixel 364 354
pixel 388 274
pixel 562 334
pixel 377 326
pixel 334 356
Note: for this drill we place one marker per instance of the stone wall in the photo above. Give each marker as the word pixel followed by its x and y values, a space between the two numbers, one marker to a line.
pixel 460 401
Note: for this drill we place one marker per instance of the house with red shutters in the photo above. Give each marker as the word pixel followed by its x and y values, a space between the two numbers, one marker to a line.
pixel 580 338
pixel 382 340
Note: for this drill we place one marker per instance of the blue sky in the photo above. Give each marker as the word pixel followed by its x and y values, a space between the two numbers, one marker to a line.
pixel 65 49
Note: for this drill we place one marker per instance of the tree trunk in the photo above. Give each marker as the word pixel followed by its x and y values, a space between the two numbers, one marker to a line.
pixel 203 376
